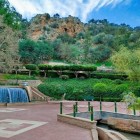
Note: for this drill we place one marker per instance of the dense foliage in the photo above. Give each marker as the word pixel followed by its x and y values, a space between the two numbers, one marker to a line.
pixel 96 43
pixel 128 61
pixel 77 89
pixel 11 17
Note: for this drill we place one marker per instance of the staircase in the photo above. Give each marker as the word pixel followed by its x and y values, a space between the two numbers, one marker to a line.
pixel 38 96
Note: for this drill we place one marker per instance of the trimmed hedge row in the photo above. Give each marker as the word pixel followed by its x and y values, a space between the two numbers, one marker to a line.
pixel 68 67
pixel 109 75
pixel 74 71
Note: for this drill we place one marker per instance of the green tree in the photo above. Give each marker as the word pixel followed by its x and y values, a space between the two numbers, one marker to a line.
pixel 10 16
pixel 132 101
pixel 99 89
pixel 128 61
pixel 35 52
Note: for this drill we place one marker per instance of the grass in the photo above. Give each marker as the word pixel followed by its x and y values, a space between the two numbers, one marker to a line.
pixel 107 64
pixel 18 76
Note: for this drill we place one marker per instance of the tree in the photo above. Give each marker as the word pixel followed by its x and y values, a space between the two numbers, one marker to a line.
pixel 99 53
pixel 35 52
pixel 132 101
pixel 86 45
pixel 8 47
pixel 99 89
pixel 10 16
pixel 128 61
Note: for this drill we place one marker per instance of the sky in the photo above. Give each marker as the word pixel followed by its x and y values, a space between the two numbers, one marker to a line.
pixel 115 11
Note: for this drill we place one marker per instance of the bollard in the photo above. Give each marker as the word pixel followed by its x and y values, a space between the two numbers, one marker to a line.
pixel 100 105
pixel 74 110
pixel 88 106
pixel 61 110
pixel 91 116
pixel 134 111
pixel 115 105
pixel 76 107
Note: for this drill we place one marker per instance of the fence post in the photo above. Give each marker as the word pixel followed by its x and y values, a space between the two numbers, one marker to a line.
pixel 76 107
pixel 74 110
pixel 61 109
pixel 91 116
pixel 88 106
pixel 115 105
pixel 100 105
pixel 134 111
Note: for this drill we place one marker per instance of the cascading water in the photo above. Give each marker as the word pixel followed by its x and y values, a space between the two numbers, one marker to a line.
pixel 13 95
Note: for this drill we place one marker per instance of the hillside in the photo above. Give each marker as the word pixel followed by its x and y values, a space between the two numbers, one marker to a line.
pixel 46 27
pixel 46 38
pixel 72 41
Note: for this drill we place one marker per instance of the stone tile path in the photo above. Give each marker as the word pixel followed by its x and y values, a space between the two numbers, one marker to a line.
pixel 39 122
pixel 12 127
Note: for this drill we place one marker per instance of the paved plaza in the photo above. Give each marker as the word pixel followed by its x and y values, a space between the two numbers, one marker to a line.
pixel 39 122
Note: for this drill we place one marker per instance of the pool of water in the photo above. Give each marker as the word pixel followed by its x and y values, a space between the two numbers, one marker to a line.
pixel 127 135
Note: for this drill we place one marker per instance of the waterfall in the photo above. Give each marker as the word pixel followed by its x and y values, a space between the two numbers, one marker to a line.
pixel 13 95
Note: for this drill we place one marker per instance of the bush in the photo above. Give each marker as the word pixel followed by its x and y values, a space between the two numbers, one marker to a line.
pixel 111 99
pixel 136 91
pixel 54 25
pixel 99 89
pixel 31 67
pixel 64 77
pixel 85 89
pixel 112 76
pixel 118 81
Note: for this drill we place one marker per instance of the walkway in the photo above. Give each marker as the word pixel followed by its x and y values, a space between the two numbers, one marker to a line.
pixel 39 122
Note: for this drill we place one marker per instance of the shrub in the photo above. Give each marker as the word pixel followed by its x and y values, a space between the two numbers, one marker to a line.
pixel 136 91
pixel 118 81
pixel 64 77
pixel 54 25
pixel 86 89
pixel 120 89
pixel 109 75
pixel 31 66
pixel 99 89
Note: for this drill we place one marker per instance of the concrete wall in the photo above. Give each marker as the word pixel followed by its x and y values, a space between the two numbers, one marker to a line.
pixel 128 125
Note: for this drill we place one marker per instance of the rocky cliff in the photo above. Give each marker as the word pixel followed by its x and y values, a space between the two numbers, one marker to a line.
pixel 46 27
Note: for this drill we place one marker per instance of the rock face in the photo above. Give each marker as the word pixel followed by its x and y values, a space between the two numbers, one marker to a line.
pixel 46 27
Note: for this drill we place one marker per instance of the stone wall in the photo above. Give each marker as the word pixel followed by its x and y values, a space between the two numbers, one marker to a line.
pixel 109 135
pixel 97 133
pixel 32 83
pixel 129 125
pixel 84 123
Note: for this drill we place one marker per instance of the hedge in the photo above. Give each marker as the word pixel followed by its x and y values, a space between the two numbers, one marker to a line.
pixel 31 67
pixel 76 89
pixel 112 76
pixel 67 67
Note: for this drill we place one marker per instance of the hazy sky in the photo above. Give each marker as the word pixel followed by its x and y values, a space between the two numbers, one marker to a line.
pixel 117 11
